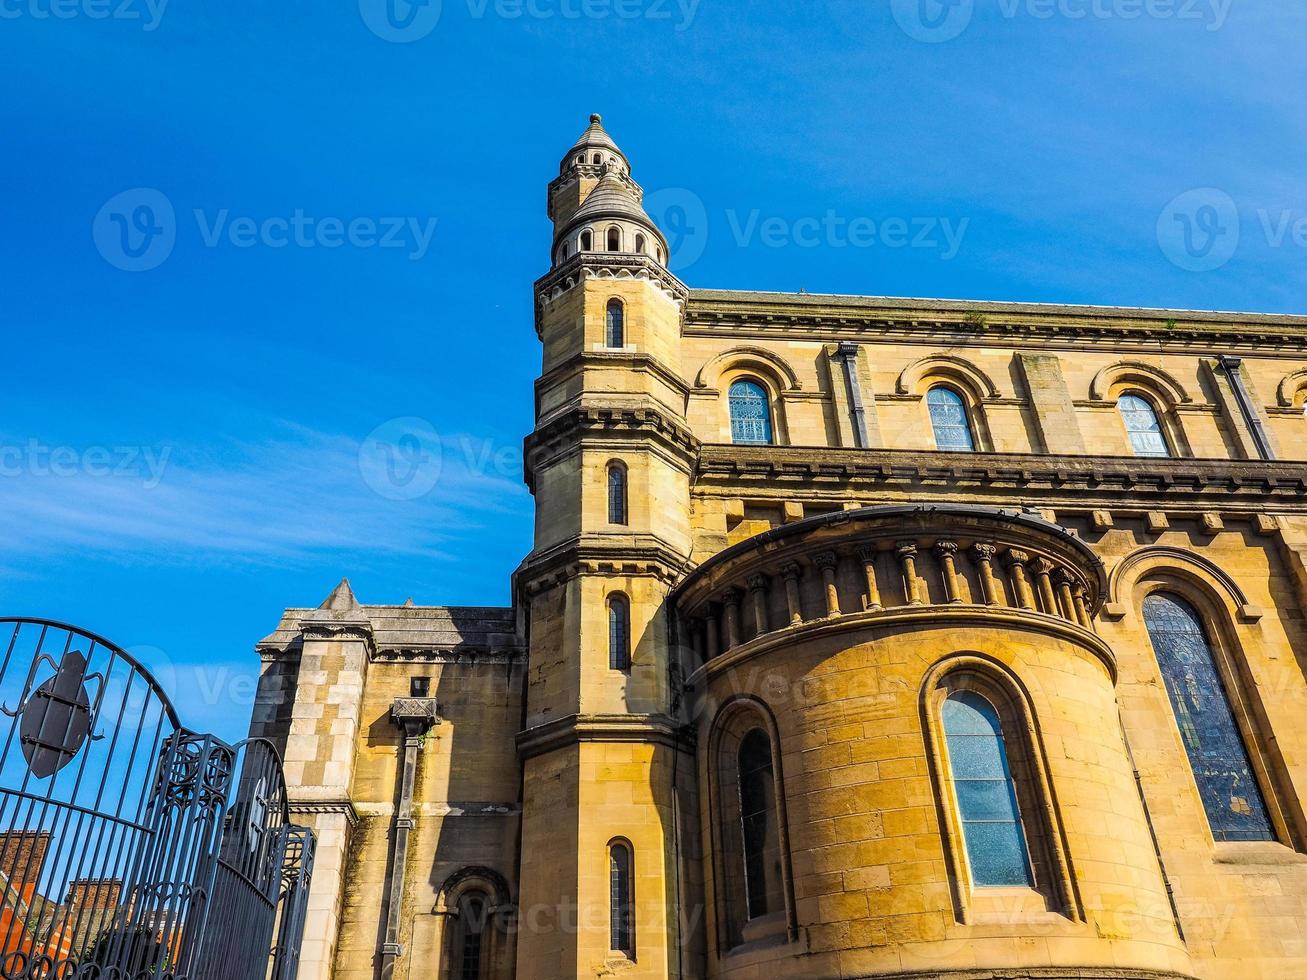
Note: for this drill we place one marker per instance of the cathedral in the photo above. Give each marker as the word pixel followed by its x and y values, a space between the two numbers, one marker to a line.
pixel 860 637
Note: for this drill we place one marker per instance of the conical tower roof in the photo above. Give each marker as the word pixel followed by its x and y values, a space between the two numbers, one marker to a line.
pixel 612 197
pixel 595 139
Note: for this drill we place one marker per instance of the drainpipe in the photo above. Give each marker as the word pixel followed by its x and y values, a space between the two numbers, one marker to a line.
pixel 414 717
pixel 1251 417
pixel 847 352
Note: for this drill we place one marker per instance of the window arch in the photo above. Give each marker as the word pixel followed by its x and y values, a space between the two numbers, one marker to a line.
pixel 992 829
pixel 949 420
pixel 761 850
pixel 750 408
pixel 1001 828
pixel 598 159
pixel 587 241
pixel 750 844
pixel 1142 425
pixel 615 325
pixel 621 898
pixel 639 244
pixel 617 495
pixel 614 239
pixel 1232 798
pixel 619 633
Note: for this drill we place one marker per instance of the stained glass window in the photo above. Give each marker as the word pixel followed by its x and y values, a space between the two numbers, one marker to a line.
pixel 1142 425
pixel 750 414
pixel 616 494
pixel 948 417
pixel 621 914
pixel 615 335
pixel 1235 808
pixel 987 799
pixel 762 844
pixel 619 633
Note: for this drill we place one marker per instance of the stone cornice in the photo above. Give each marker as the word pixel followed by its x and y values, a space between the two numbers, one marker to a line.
pixel 343 808
pixel 328 628
pixel 572 729
pixel 940 323
pixel 1077 481
pixel 578 421
pixel 634 555
pixel 636 362
pixel 604 265
pixel 448 655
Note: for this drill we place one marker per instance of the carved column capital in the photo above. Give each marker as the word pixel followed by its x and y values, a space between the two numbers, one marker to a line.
pixel 791 571
pixel 826 560
pixel 946 549
pixel 983 552
pixel 1015 557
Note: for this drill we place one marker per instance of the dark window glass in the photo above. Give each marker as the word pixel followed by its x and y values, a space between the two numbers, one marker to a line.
pixel 615 332
pixel 1217 754
pixel 616 495
pixel 948 417
pixel 621 918
pixel 619 633
pixel 587 241
pixel 986 794
pixel 762 845
pixel 639 244
pixel 472 914
pixel 750 414
pixel 1142 425
pixel 614 240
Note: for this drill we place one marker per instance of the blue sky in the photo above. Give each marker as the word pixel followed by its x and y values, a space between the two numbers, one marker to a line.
pixel 189 448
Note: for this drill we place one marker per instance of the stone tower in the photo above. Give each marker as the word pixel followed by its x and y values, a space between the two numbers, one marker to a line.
pixel 609 465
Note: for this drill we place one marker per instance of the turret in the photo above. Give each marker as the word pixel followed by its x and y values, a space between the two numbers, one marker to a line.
pixel 609 465
pixel 596 205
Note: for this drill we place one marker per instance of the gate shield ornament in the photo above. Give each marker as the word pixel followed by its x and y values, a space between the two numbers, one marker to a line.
pixel 56 718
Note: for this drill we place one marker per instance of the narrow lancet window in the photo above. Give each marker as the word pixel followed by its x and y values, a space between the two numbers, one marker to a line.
pixel 615 325
pixel 986 794
pixel 1217 753
pixel 619 633
pixel 621 904
pixel 617 494
pixel 760 831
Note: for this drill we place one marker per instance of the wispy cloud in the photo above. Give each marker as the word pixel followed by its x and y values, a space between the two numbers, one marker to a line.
pixel 300 493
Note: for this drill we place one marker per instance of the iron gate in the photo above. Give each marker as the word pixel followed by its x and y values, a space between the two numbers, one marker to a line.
pixel 130 847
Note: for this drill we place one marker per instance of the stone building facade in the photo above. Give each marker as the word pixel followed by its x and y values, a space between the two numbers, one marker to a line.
pixel 860 637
